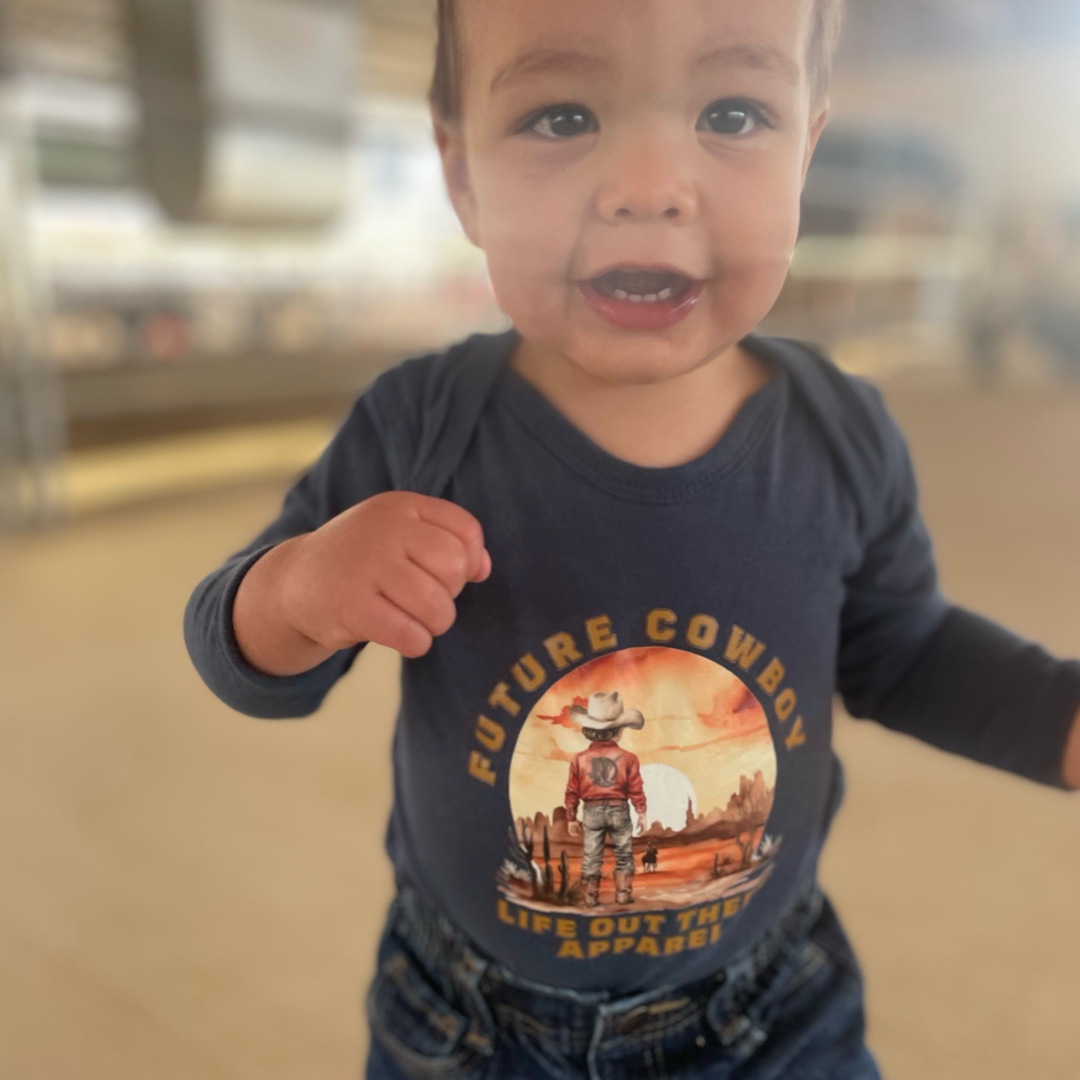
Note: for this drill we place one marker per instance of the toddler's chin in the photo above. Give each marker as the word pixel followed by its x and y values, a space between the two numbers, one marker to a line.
pixel 638 359
pixel 635 367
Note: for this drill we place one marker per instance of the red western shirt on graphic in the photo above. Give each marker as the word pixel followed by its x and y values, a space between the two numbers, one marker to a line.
pixel 604 771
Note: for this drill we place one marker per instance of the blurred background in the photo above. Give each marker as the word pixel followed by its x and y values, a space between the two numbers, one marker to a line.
pixel 219 219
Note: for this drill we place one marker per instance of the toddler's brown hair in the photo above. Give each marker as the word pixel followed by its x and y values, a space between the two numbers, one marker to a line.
pixel 445 95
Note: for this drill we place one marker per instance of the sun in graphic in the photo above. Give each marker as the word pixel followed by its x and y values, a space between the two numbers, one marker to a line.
pixel 704 734
pixel 669 794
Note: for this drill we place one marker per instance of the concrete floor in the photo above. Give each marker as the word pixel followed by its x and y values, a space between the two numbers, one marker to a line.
pixel 191 895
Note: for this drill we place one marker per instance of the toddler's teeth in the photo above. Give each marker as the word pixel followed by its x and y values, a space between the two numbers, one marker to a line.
pixel 651 298
pixel 665 295
pixel 620 294
pixel 636 299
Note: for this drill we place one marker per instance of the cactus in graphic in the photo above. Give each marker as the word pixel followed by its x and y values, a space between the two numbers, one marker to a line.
pixel 549 880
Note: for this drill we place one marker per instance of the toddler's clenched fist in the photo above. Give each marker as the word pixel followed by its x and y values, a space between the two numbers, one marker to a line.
pixel 387 570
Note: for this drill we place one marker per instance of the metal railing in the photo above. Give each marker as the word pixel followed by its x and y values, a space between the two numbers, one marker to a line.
pixel 32 429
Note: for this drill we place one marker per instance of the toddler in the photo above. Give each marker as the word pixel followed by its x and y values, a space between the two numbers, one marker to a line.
pixel 632 543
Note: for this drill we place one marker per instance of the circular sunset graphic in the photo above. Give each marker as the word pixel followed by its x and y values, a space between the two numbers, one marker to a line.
pixel 644 777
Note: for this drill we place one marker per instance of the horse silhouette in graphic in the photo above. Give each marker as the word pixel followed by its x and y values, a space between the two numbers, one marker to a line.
pixel 650 858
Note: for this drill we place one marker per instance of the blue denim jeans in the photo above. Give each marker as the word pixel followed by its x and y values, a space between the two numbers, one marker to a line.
pixel 599 821
pixel 790 1008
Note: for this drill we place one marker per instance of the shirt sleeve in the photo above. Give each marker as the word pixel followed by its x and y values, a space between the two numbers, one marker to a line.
pixel 351 469
pixel 635 785
pixel 921 666
pixel 573 791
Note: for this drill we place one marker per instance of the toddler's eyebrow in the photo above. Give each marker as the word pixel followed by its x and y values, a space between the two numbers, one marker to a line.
pixel 759 57
pixel 554 61
pixel 544 61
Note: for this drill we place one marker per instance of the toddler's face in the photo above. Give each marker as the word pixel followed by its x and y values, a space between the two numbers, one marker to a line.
pixel 633 169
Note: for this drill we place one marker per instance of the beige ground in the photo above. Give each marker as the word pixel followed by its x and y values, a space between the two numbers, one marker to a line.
pixel 189 895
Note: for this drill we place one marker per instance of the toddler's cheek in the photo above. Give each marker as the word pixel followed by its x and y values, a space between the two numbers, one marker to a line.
pixel 763 233
pixel 529 293
pixel 752 292
pixel 754 259
pixel 525 231
pixel 519 270
pixel 523 262
pixel 528 258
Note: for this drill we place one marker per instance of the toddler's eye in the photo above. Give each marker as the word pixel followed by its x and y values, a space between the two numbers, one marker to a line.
pixel 562 122
pixel 733 116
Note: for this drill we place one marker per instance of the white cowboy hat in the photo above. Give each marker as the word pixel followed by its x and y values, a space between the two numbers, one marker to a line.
pixel 606 713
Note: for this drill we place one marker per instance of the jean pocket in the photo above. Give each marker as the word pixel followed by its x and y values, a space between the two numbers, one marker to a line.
pixel 421 1031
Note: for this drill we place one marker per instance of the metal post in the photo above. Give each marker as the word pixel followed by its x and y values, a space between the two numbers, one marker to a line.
pixel 32 425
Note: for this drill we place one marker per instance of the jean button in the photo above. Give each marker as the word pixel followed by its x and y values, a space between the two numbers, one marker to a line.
pixel 633 1021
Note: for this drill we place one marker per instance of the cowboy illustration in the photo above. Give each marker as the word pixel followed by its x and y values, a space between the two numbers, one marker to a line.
pixel 605 780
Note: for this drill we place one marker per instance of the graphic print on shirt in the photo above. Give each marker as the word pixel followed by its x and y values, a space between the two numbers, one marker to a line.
pixel 644 777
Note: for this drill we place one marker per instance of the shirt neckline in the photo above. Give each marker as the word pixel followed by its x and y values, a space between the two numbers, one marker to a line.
pixel 641 483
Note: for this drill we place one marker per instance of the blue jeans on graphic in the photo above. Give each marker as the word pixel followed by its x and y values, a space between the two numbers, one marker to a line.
pixel 791 1009
pixel 599 821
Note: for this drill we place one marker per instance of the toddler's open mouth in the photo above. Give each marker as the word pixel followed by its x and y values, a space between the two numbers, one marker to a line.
pixel 633 298
pixel 642 286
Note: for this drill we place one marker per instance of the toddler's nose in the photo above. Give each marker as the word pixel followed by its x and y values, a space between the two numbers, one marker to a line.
pixel 648 187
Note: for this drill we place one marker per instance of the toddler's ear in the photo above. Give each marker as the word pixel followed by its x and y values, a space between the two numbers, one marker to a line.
pixel 455 166
pixel 817 126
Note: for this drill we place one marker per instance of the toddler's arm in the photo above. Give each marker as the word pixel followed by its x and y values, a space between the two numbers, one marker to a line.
pixel 975 688
pixel 346 561
pixel 1072 756
pixel 942 674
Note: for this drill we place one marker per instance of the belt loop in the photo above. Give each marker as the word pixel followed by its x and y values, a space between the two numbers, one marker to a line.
pixel 450 959
pixel 468 973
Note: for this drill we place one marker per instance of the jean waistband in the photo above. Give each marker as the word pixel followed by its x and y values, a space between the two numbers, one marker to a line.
pixel 462 970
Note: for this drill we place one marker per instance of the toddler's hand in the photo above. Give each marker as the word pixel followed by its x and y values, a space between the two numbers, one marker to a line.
pixel 387 570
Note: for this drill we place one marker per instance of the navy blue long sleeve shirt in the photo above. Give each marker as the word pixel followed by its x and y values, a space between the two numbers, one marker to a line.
pixel 723 601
